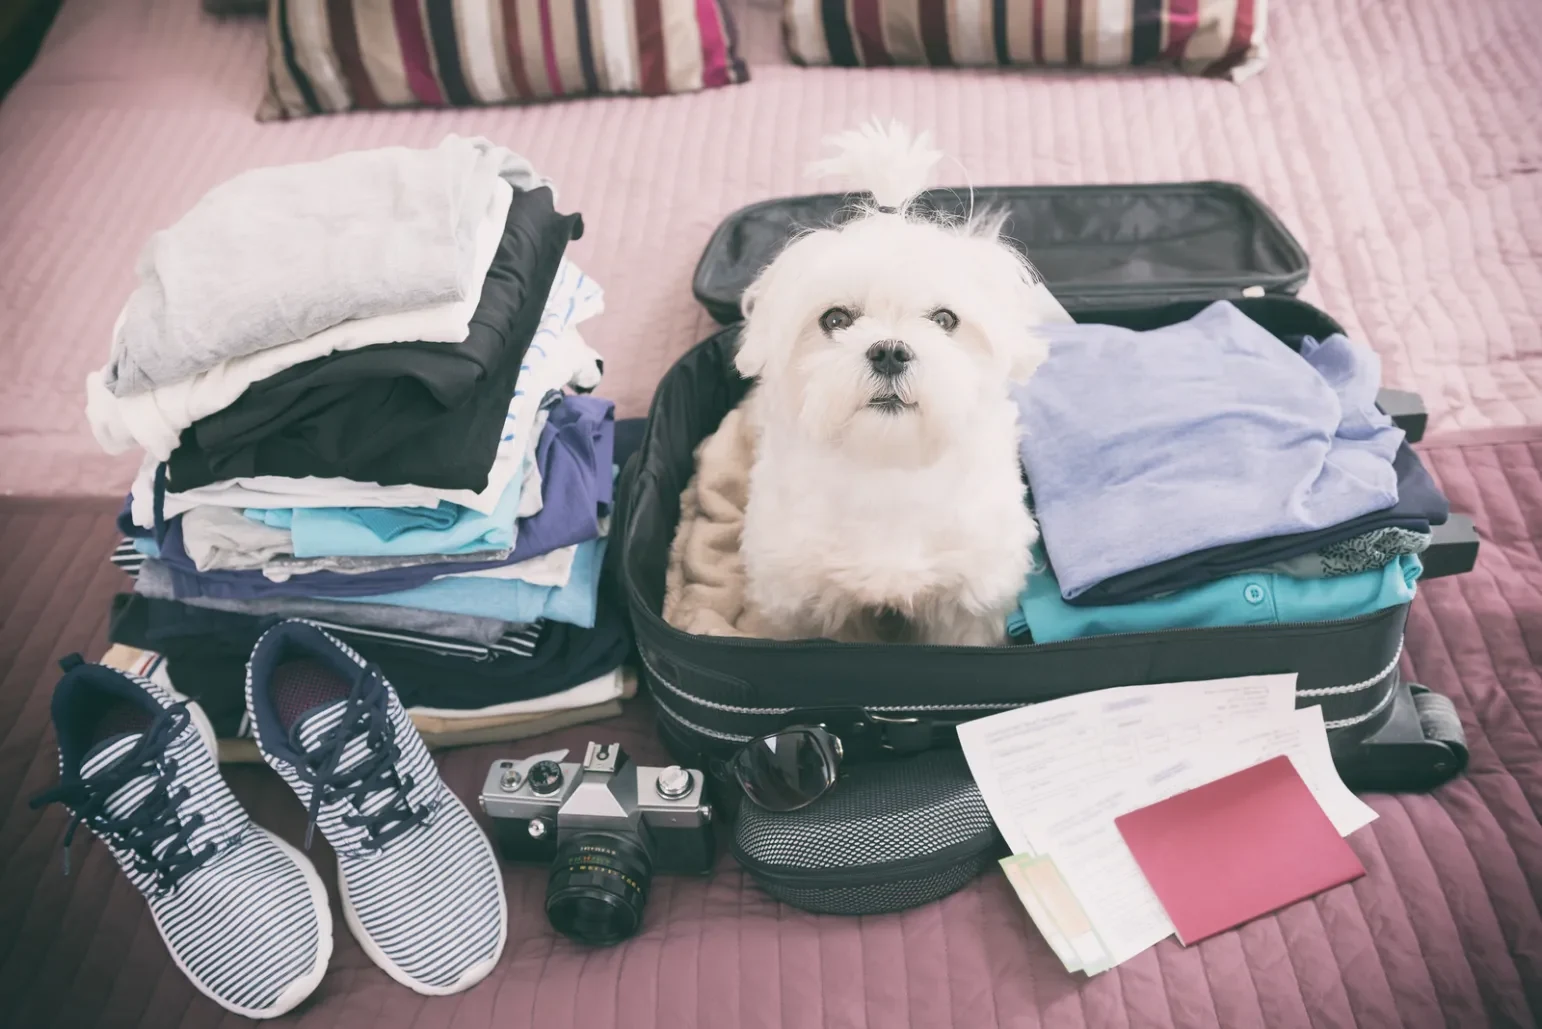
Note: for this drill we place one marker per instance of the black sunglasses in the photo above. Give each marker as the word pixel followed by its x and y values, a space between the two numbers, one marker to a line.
pixel 788 769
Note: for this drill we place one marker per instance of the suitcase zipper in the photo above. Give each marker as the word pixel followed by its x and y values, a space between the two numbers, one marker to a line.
pixel 765 712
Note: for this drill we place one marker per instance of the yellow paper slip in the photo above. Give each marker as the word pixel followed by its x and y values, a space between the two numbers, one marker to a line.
pixel 1056 912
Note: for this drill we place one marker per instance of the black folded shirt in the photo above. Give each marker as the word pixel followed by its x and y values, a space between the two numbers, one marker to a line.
pixel 206 652
pixel 426 414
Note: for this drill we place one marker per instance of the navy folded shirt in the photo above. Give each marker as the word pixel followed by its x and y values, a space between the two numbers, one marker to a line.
pixel 1420 504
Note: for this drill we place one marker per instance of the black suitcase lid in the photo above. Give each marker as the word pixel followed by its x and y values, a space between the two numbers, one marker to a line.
pixel 1096 246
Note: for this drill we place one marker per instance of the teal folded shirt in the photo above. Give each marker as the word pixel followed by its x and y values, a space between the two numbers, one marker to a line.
pixel 398 531
pixel 1252 598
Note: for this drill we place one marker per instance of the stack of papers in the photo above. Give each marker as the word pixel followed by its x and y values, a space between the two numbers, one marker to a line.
pixel 1056 775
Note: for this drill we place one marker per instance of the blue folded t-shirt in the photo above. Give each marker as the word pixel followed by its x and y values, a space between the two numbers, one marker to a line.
pixel 510 600
pixel 397 532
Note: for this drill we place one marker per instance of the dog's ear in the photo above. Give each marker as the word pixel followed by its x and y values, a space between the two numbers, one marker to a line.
pixel 1032 307
pixel 1026 303
pixel 755 339
pixel 1026 351
pixel 751 295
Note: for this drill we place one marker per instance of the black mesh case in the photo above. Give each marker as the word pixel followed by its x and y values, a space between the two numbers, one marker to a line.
pixel 1140 256
pixel 889 836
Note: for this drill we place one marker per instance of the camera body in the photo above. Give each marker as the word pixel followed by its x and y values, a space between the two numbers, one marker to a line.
pixel 662 810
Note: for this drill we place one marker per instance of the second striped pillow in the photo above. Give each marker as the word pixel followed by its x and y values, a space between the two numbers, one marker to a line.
pixel 1213 37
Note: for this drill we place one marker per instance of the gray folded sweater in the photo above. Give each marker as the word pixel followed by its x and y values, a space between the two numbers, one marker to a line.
pixel 277 254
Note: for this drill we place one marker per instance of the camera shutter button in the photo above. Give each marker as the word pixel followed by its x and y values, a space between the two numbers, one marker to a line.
pixel 673 783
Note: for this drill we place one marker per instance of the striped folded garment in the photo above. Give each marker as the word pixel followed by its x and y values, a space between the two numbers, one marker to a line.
pixel 325 56
pixel 1210 37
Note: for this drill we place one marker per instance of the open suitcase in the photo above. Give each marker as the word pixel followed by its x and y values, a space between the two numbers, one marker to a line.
pixel 1139 256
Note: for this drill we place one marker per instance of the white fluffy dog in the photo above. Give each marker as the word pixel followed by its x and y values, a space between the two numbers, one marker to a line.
pixel 886 501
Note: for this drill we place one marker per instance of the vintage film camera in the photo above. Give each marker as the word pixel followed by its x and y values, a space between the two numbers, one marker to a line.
pixel 606 826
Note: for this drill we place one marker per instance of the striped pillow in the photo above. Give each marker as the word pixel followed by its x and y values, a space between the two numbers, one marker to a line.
pixel 341 55
pixel 235 7
pixel 1212 37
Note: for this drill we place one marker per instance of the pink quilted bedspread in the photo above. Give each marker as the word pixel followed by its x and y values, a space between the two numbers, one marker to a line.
pixel 1444 929
pixel 1400 141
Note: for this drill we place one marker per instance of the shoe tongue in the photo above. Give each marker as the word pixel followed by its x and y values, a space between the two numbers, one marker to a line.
pixel 107 753
pixel 315 728
pixel 102 757
pixel 316 723
pixel 312 728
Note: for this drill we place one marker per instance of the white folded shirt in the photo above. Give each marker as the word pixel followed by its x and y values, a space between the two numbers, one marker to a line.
pixel 154 420
pixel 558 358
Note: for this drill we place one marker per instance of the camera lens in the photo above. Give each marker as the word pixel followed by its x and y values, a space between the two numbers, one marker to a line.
pixel 598 886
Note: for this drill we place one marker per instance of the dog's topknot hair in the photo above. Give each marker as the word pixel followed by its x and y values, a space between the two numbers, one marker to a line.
pixel 888 161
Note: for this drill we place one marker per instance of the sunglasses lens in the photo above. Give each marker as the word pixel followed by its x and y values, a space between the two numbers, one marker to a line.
pixel 786 771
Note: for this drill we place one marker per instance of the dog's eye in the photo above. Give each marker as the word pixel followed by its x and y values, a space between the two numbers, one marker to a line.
pixel 835 319
pixel 946 319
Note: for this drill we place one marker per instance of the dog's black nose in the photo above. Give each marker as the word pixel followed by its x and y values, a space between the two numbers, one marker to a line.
pixel 888 357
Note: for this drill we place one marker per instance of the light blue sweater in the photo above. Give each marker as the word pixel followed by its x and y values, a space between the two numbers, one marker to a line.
pixel 1145 446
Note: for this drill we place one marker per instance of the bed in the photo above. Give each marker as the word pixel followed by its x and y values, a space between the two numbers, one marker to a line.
pixel 1398 141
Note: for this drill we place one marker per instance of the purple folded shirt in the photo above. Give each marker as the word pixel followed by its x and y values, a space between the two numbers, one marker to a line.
pixel 575 454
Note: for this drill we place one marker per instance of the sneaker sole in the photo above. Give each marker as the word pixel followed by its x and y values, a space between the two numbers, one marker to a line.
pixel 473 975
pixel 306 984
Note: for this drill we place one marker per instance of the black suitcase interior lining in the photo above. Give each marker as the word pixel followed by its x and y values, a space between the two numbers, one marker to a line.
pixel 1096 246
pixel 1139 256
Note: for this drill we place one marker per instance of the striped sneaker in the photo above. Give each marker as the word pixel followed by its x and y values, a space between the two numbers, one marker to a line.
pixel 244 915
pixel 421 889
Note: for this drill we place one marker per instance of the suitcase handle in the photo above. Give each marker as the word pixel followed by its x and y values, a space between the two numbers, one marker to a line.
pixel 1406 410
pixel 1453 548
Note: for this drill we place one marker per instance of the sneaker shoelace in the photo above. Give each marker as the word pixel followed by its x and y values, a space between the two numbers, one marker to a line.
pixel 365 714
pixel 154 833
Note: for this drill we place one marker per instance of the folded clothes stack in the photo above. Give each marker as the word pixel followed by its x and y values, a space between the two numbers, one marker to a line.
pixel 1209 473
pixel 367 405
